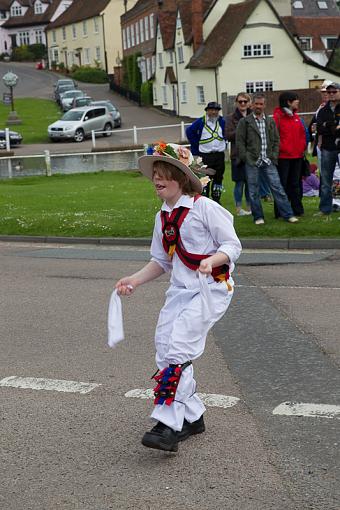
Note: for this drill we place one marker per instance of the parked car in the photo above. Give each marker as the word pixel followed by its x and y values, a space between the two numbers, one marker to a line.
pixel 78 123
pixel 114 112
pixel 61 89
pixel 14 138
pixel 65 81
pixel 67 97
pixel 81 101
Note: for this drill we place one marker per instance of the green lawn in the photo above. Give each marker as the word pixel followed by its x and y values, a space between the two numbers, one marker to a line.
pixel 36 115
pixel 122 204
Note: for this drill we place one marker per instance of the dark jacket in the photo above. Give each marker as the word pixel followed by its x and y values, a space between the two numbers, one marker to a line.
pixel 248 140
pixel 231 122
pixel 194 132
pixel 327 120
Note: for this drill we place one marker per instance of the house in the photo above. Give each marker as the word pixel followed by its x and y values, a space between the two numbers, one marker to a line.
pixel 316 37
pixel 26 20
pixel 232 46
pixel 88 33
pixel 138 35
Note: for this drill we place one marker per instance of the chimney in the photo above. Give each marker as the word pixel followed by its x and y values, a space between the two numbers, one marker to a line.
pixel 197 23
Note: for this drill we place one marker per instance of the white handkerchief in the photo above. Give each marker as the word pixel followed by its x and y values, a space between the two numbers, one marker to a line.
pixel 115 320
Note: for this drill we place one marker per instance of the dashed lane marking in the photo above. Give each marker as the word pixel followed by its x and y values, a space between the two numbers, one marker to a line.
pixel 37 383
pixel 209 399
pixel 309 410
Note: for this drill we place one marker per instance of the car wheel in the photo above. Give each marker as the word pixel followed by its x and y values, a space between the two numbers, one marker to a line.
pixel 118 123
pixel 79 135
pixel 107 129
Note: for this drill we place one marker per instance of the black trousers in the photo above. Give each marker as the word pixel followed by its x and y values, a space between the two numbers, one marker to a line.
pixel 216 161
pixel 291 179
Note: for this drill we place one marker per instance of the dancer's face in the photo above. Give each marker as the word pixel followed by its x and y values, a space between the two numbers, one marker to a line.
pixel 170 191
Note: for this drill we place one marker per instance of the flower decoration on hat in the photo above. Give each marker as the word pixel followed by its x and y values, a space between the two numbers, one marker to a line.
pixel 182 154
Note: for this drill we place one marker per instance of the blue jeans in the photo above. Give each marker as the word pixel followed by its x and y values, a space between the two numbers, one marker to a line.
pixel 271 174
pixel 238 193
pixel 328 163
pixel 264 188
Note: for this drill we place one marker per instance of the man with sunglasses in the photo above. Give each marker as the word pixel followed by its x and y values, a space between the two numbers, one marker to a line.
pixel 328 126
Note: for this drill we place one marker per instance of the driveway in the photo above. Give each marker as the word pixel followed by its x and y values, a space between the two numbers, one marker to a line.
pixel 39 83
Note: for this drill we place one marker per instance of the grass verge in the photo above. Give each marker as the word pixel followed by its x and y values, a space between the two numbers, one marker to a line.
pixel 36 115
pixel 123 204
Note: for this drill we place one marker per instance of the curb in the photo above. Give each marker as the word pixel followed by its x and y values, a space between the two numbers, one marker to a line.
pixel 247 243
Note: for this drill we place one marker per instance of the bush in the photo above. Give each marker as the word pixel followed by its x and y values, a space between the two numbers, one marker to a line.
pixel 90 75
pixel 38 50
pixel 22 53
pixel 146 92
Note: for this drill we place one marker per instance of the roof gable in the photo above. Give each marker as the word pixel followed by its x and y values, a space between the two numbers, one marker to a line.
pixel 79 10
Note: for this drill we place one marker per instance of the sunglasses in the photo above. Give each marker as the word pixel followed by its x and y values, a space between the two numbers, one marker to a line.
pixel 332 91
pixel 241 101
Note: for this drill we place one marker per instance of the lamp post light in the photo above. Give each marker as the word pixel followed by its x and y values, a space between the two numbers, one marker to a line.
pixel 10 80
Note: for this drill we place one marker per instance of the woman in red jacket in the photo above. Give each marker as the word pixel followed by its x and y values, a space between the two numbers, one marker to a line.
pixel 293 144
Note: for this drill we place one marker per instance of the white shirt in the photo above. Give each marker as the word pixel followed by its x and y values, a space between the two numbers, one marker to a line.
pixel 207 228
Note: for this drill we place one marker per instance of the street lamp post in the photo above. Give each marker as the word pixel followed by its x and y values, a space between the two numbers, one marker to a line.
pixel 10 80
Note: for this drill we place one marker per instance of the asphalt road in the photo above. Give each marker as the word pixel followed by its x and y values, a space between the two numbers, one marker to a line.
pixel 279 342
pixel 39 83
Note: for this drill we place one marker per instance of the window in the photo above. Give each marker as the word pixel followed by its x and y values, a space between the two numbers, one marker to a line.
pixel 165 95
pixel 37 8
pixel 297 5
pixel 128 37
pixel 171 57
pixel 3 15
pixel 160 60
pixel 24 38
pixel 85 28
pixel 184 92
pixel 153 64
pixel 322 5
pixel 152 26
pixel 257 50
pixel 95 25
pixel 200 94
pixel 124 39
pixel 16 10
pixel 86 55
pixel 146 26
pixel 330 43
pixel 39 36
pixel 305 43
pixel 98 55
pixel 137 32
pixel 258 86
pixel 64 33
pixel 132 30
pixel 54 36
pixel 155 94
pixel 74 31
pixel 141 29
pixel 180 54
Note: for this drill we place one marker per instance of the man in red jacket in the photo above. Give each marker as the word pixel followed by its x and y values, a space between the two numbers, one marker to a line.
pixel 293 143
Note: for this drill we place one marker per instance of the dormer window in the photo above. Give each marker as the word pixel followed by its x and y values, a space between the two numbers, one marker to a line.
pixel 322 5
pixel 298 5
pixel 38 7
pixel 16 10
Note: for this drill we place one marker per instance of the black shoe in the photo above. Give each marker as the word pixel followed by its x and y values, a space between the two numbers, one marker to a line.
pixel 161 437
pixel 190 429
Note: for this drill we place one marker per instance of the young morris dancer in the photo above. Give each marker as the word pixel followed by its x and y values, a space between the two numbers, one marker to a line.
pixel 194 240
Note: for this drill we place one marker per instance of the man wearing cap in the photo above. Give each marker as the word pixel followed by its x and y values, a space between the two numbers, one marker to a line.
pixel 206 137
pixel 328 126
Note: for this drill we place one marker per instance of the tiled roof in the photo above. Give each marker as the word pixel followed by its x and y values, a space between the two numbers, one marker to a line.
pixel 313 27
pixel 139 7
pixel 221 38
pixel 79 10
pixel 30 18
pixel 167 26
pixel 170 75
pixel 184 7
pixel 4 5
pixel 311 8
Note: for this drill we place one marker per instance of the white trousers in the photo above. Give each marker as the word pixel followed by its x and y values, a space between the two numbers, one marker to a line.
pixel 181 332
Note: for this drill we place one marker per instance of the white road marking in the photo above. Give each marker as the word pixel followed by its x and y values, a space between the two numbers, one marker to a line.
pixel 309 410
pixel 286 287
pixel 37 383
pixel 209 399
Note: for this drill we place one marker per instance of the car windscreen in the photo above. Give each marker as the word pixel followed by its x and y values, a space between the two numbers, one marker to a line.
pixel 72 93
pixel 72 115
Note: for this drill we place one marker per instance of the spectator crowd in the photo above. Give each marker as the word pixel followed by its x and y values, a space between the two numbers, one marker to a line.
pixel 268 153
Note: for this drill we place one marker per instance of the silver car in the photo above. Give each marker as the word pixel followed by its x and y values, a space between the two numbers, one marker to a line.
pixel 78 123
pixel 66 99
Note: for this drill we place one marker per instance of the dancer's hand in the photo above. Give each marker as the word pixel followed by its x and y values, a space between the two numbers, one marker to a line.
pixel 126 286
pixel 205 267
